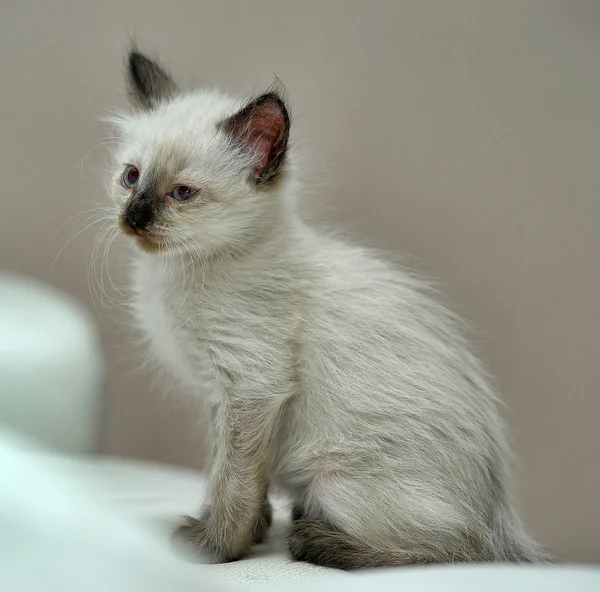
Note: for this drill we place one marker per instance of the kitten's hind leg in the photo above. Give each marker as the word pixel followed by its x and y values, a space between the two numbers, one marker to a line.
pixel 347 523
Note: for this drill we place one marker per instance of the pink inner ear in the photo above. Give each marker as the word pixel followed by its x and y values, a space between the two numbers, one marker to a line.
pixel 265 130
pixel 263 147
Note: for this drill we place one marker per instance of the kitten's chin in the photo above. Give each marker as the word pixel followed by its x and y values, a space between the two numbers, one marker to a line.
pixel 150 244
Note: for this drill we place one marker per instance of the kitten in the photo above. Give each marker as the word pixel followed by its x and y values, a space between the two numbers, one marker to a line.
pixel 332 373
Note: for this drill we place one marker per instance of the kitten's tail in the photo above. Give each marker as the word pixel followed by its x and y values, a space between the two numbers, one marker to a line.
pixel 511 543
pixel 323 544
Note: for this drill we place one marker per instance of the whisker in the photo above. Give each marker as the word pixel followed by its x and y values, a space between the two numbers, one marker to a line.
pixel 114 237
pixel 70 241
pixel 91 271
pixel 90 146
pixel 96 256
pixel 91 212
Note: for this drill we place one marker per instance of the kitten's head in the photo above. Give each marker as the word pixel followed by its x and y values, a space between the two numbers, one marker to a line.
pixel 197 170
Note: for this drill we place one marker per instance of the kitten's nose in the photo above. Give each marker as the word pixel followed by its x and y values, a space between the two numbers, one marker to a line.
pixel 139 215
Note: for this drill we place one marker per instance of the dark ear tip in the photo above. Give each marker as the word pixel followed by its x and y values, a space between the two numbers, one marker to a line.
pixel 277 98
pixel 148 83
pixel 133 56
pixel 136 59
pixel 278 89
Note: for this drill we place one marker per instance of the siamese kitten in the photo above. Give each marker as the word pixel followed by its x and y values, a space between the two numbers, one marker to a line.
pixel 332 373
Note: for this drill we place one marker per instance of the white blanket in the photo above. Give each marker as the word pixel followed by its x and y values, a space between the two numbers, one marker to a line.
pixel 96 525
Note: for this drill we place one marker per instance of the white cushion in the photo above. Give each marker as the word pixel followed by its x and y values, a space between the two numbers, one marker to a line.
pixel 51 366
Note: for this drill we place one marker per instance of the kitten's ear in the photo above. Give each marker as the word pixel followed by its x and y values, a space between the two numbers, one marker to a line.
pixel 148 83
pixel 263 128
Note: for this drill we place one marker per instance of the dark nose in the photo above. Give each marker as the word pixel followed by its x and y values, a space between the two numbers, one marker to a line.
pixel 139 215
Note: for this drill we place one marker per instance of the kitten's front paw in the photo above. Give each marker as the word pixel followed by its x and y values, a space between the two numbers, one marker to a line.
pixel 207 540
pixel 187 539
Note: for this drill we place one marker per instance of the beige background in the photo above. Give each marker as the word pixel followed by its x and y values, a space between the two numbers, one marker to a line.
pixel 466 133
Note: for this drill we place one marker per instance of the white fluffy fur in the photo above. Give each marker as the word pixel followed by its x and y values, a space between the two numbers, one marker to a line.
pixel 372 409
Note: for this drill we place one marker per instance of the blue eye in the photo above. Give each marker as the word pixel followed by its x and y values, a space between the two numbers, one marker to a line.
pixel 130 177
pixel 182 192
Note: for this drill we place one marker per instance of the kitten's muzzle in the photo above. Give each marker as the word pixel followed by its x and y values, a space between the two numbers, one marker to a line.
pixel 138 219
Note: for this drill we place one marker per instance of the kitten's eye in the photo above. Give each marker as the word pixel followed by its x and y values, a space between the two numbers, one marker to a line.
pixel 182 192
pixel 130 177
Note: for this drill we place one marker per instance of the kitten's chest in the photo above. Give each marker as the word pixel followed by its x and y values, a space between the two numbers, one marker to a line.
pixel 165 312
